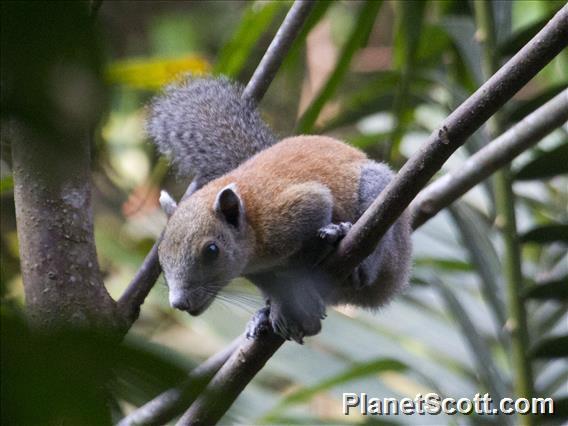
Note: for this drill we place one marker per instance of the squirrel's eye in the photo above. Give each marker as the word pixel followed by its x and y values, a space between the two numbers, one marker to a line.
pixel 210 252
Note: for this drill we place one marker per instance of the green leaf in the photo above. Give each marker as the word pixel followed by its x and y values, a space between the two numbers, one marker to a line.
pixel 503 17
pixel 365 141
pixel 408 33
pixel 546 234
pixel 431 52
pixel 552 347
pixel 254 23
pixel 315 16
pixel 445 264
pixel 357 371
pixel 488 372
pixel 6 184
pixel 357 39
pixel 461 30
pixel 378 95
pixel 550 321
pixel 514 42
pixel 546 165
pixel 475 237
pixel 556 383
pixel 549 290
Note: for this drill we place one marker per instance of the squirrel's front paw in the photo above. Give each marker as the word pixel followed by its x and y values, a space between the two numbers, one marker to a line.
pixel 334 232
pixel 259 323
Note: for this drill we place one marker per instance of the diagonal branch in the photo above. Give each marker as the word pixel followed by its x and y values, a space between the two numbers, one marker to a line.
pixel 279 47
pixel 466 119
pixel 173 402
pixel 245 362
pixel 140 286
pixel 233 377
pixel 486 161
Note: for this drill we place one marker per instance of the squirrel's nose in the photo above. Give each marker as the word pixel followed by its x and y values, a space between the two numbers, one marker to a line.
pixel 178 300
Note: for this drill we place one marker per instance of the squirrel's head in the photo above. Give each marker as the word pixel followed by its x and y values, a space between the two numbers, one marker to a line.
pixel 203 248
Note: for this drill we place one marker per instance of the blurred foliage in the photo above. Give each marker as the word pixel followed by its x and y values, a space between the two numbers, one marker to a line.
pixel 399 69
pixel 154 73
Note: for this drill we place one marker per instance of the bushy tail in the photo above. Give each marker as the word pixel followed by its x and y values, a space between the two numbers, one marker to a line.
pixel 206 128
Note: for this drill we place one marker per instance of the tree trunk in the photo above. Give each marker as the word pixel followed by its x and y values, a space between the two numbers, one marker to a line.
pixel 52 191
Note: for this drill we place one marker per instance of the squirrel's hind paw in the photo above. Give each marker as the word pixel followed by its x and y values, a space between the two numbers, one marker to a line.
pixel 259 323
pixel 294 324
pixel 334 232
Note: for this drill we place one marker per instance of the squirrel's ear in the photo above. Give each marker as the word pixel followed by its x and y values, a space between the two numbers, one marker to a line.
pixel 167 202
pixel 229 205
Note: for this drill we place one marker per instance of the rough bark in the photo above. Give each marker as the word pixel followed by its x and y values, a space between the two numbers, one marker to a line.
pixel 52 192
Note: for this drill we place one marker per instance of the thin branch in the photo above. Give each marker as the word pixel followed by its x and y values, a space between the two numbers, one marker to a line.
pixel 145 278
pixel 466 119
pixel 140 286
pixel 229 382
pixel 173 402
pixel 276 52
pixel 486 161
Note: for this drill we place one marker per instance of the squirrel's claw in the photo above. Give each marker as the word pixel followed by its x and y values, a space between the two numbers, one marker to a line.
pixel 334 232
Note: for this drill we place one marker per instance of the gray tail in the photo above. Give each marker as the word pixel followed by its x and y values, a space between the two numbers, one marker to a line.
pixel 206 128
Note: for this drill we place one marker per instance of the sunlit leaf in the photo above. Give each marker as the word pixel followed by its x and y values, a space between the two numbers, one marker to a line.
pixel 153 73
pixel 6 184
pixel 357 371
pixel 446 264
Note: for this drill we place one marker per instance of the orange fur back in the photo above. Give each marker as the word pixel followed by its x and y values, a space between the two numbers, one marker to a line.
pixel 295 160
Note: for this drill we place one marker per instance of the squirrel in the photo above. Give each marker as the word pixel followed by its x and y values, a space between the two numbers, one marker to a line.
pixel 266 210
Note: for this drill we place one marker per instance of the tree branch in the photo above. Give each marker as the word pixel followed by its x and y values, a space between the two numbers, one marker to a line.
pixel 276 52
pixel 466 119
pixel 229 382
pixel 174 401
pixel 247 360
pixel 486 161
